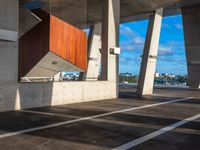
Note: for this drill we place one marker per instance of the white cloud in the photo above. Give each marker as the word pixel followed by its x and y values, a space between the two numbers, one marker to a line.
pixel 165 51
pixel 128 46
pixel 179 26
pixel 126 31
pixel 165 25
pixel 134 42
pixel 139 40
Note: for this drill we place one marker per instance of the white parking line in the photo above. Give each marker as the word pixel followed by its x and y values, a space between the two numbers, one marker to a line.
pixel 156 133
pixel 120 111
pixel 87 118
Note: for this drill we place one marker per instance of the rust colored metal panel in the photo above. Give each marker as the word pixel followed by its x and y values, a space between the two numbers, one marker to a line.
pixel 68 42
pixel 33 46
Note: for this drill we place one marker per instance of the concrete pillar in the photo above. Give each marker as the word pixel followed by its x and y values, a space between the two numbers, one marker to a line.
pixel 148 66
pixel 94 61
pixel 191 23
pixel 9 21
pixel 110 39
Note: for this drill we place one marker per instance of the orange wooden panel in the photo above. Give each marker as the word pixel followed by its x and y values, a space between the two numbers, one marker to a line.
pixel 68 42
pixel 55 35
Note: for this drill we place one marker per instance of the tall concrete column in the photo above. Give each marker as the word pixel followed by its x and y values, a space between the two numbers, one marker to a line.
pixel 9 21
pixel 110 39
pixel 149 58
pixel 191 23
pixel 94 53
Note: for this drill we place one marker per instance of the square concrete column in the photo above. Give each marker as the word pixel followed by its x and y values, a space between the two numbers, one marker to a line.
pixel 149 57
pixel 94 55
pixel 191 23
pixel 110 39
pixel 9 21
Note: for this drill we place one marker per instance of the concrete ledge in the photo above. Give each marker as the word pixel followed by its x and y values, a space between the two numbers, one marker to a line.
pixel 31 95
pixel 8 35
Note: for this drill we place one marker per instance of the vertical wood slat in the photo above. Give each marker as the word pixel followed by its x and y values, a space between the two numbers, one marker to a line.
pixel 68 42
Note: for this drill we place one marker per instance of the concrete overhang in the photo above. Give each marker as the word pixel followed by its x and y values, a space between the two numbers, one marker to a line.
pixel 131 10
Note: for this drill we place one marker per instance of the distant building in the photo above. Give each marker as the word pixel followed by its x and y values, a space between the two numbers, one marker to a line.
pixel 164 74
pixel 171 75
pixel 157 74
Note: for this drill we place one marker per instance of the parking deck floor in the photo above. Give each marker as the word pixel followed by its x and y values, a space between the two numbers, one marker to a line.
pixel 168 120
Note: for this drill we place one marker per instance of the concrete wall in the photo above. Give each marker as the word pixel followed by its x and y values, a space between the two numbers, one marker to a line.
pixel 29 95
pixel 191 22
pixel 14 95
pixel 9 9
pixel 9 20
pixel 94 62
pixel 110 39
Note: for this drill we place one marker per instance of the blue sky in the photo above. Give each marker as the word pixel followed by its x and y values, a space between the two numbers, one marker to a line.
pixel 171 54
